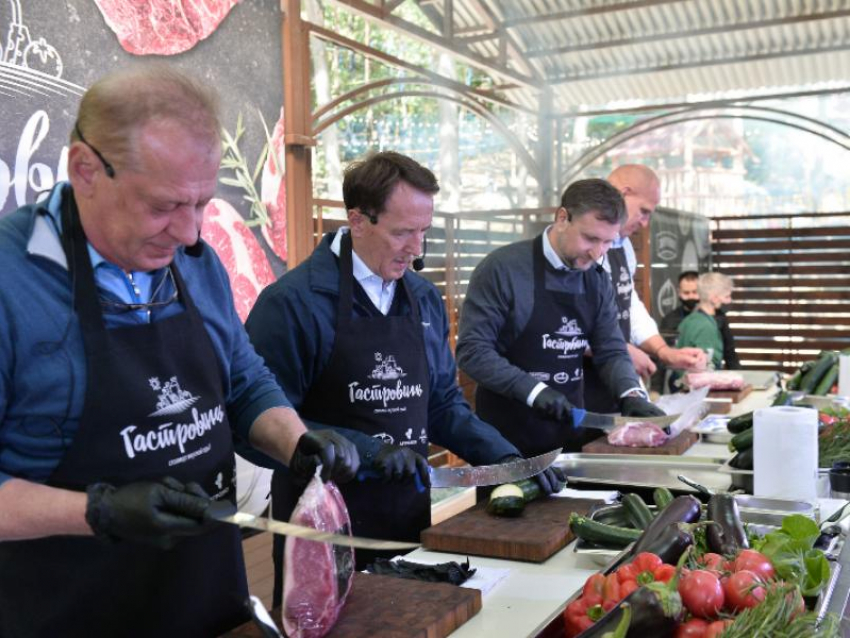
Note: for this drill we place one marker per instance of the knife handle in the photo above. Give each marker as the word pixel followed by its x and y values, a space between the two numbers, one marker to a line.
pixel 363 475
pixel 578 416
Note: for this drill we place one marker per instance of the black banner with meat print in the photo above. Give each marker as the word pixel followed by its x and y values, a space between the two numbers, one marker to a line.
pixel 54 50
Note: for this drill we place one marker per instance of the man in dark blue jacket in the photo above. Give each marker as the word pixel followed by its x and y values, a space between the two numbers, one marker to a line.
pixel 360 343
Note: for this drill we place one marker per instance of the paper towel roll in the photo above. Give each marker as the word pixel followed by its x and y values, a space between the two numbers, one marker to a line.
pixel 844 375
pixel 785 459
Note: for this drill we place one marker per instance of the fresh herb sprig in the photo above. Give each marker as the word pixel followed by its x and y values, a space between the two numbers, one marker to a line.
pixel 243 178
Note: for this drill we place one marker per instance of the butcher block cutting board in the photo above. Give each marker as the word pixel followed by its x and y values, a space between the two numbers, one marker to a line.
pixel 393 608
pixel 677 445
pixel 541 530
pixel 736 396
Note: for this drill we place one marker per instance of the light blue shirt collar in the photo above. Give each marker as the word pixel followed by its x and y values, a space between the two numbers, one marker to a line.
pixel 380 293
pixel 550 254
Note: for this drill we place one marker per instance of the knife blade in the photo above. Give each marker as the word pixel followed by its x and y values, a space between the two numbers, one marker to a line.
pixel 497 474
pixel 608 422
pixel 225 512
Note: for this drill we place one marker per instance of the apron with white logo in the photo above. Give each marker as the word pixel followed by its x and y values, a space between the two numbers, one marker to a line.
pixel 154 407
pixel 550 348
pixel 597 396
pixel 377 382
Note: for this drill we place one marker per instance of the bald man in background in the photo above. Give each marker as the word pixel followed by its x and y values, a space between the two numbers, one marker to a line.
pixel 641 190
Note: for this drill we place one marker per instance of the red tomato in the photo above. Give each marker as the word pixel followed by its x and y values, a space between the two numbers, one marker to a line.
pixel 756 562
pixel 694 628
pixel 716 628
pixel 702 593
pixel 743 589
pixel 712 562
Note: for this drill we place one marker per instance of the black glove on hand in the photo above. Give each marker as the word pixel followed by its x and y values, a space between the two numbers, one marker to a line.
pixel 551 479
pixel 153 513
pixel 554 405
pixel 401 464
pixel 638 406
pixel 337 455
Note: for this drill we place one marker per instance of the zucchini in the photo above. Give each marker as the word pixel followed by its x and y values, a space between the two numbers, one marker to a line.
pixel 742 441
pixel 662 497
pixel 742 460
pixel 825 384
pixel 740 423
pixel 793 383
pixel 602 534
pixel 811 379
pixel 637 511
pixel 614 515
pixel 510 499
pixel 506 500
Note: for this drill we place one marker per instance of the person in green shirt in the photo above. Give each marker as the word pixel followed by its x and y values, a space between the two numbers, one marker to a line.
pixel 699 329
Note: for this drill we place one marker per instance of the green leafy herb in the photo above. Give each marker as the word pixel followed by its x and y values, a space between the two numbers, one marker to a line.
pixel 791 550
pixel 243 178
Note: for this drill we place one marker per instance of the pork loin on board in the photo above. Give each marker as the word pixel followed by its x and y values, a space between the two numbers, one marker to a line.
pixel 317 576
pixel 637 434
pixel 715 380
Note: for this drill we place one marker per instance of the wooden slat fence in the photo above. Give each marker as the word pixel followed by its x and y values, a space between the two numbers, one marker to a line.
pixel 792 285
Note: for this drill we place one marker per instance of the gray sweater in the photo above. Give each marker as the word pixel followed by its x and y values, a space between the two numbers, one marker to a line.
pixel 498 306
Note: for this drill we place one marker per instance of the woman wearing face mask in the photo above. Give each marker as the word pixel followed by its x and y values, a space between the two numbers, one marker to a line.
pixel 700 328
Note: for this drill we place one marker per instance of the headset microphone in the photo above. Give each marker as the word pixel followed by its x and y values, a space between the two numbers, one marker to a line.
pixel 419 262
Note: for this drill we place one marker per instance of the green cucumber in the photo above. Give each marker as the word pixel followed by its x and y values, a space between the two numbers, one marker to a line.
pixel 602 534
pixel 742 460
pixel 742 441
pixel 506 500
pixel 637 512
pixel 662 497
pixel 825 384
pixel 813 377
pixel 740 423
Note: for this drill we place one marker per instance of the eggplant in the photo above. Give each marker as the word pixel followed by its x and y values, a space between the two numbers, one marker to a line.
pixel 683 509
pixel 725 534
pixel 656 611
pixel 673 541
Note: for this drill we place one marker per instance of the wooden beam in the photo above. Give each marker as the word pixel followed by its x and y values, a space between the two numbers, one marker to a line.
pixel 463 53
pixel 391 5
pixel 448 19
pixel 688 33
pixel 298 134
pixel 515 52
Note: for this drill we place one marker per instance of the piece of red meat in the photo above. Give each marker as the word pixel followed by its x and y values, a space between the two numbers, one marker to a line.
pixel 715 380
pixel 240 252
pixel 163 27
pixel 273 191
pixel 317 576
pixel 637 434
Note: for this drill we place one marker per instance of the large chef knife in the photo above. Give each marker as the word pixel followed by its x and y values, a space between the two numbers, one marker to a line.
pixel 225 512
pixel 481 475
pixel 607 422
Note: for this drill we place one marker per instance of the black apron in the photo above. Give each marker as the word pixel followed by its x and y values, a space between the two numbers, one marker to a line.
pixel 597 396
pixel 550 348
pixel 154 407
pixel 377 382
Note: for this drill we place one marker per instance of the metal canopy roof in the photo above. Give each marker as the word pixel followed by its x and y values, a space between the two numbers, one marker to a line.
pixel 598 54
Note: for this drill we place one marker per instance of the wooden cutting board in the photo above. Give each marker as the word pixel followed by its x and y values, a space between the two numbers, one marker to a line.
pixel 677 445
pixel 542 530
pixel 393 608
pixel 735 395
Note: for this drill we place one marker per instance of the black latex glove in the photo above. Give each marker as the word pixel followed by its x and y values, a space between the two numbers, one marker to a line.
pixel 337 455
pixel 554 405
pixel 551 479
pixel 157 514
pixel 638 406
pixel 400 464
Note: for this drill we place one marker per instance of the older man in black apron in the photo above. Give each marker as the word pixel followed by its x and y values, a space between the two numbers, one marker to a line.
pixel 532 309
pixel 126 375
pixel 641 191
pixel 360 343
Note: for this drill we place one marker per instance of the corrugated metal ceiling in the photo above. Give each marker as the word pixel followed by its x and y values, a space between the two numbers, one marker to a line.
pixel 598 54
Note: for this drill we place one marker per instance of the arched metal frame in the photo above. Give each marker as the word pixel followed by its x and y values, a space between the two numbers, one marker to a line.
pixel 513 141
pixel 762 114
